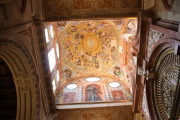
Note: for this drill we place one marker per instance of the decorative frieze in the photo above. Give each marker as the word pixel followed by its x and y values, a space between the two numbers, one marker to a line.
pixel 93 105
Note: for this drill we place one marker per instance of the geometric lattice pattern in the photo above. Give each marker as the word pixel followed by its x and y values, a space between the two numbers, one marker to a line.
pixel 168 89
pixel 167 75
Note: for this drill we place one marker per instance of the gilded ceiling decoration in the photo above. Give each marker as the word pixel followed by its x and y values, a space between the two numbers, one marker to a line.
pixel 92 48
pixel 168 72
pixel 57 9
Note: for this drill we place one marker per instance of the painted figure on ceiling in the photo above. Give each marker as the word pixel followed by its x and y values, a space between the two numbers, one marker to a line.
pixel 116 71
pixel 90 46
pixel 92 96
pixel 73 29
pixel 69 99
pixel 118 22
pixel 128 93
pixel 61 24
pixel 131 30
pixel 67 73
pixel 118 97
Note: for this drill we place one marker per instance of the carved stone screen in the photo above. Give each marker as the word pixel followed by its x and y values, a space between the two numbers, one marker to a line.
pixel 165 86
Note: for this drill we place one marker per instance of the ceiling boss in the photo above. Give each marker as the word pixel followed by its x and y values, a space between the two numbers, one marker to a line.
pixel 90 46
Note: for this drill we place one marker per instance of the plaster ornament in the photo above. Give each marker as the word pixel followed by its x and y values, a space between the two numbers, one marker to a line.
pixel 141 71
pixel 134 60
pixel 154 36
pixel 127 37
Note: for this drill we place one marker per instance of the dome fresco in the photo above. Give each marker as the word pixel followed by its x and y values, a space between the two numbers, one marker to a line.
pixel 92 48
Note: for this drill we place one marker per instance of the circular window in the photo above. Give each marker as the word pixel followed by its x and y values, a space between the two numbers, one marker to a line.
pixel 114 84
pixel 92 79
pixel 71 86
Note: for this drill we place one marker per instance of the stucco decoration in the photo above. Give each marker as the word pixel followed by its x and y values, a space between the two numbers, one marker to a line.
pixel 154 36
pixel 91 105
pixel 145 106
pixel 131 30
pixel 58 9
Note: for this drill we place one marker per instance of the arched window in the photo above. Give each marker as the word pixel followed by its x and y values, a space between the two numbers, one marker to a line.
pixel 51 31
pixel 49 34
pixel 57 50
pixel 54 85
pixel 52 61
pixel 57 76
pixel 46 35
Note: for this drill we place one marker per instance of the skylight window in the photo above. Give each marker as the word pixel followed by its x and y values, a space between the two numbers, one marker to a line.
pixel 46 35
pixel 71 86
pixel 57 75
pixel 52 61
pixel 54 85
pixel 114 84
pixel 51 32
pixel 92 79
pixel 57 50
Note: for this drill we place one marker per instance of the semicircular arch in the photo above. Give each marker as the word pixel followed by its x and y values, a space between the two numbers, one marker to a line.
pixel 21 64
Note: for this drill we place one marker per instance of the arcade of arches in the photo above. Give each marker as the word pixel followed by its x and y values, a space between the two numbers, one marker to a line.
pixel 89 60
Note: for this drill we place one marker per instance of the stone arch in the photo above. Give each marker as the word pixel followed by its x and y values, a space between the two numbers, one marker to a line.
pixel 158 49
pixel 162 49
pixel 22 66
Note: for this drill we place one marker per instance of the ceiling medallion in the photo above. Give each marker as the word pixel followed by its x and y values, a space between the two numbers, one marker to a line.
pixel 90 43
pixel 71 86
pixel 114 84
pixel 93 79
